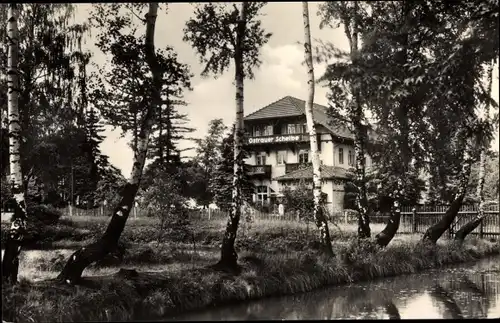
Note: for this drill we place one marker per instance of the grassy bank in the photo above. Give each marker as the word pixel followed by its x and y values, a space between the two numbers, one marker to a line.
pixel 175 286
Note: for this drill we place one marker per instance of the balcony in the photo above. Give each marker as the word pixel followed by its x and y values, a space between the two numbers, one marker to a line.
pixel 261 171
pixel 278 139
pixel 291 167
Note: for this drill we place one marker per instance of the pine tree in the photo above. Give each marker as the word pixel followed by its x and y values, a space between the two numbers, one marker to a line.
pixel 221 177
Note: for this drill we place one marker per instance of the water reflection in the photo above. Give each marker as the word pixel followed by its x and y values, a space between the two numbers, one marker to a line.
pixel 470 291
pixel 450 310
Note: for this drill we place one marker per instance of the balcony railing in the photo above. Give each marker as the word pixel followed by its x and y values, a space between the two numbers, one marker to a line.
pixel 277 139
pixel 263 171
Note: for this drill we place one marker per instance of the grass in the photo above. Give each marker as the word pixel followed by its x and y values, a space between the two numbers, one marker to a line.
pixel 277 258
pixel 75 232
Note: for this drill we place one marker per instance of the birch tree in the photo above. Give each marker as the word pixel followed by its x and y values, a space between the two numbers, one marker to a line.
pixel 85 256
pixel 221 34
pixel 471 225
pixel 319 216
pixel 10 262
pixel 349 13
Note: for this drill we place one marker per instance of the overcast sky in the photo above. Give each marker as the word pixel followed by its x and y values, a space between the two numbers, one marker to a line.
pixel 280 74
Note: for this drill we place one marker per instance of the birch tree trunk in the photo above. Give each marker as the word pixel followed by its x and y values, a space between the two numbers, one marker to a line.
pixel 356 116
pixel 471 225
pixel 82 258
pixel 384 237
pixel 229 257
pixel 436 231
pixel 10 263
pixel 319 216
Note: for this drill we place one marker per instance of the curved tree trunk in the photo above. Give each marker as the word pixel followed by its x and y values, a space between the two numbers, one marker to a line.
pixel 319 216
pixel 472 225
pixel 436 231
pixel 82 258
pixel 467 228
pixel 433 233
pixel 385 236
pixel 10 262
pixel 392 226
pixel 229 257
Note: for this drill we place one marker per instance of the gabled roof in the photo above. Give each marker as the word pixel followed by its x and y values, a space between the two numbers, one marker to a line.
pixel 292 107
pixel 327 172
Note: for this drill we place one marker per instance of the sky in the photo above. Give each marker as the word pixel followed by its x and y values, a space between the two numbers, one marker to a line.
pixel 282 72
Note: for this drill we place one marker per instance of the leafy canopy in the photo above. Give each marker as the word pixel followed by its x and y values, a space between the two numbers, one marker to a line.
pixel 212 33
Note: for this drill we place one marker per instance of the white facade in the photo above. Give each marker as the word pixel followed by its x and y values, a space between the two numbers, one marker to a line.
pixel 331 154
pixel 278 144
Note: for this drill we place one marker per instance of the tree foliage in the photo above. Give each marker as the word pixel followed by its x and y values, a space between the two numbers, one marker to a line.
pixel 212 33
pixel 221 178
pixel 204 164
pixel 123 89
pixel 418 71
pixel 60 132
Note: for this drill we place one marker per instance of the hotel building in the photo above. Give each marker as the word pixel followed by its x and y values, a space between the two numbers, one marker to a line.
pixel 279 151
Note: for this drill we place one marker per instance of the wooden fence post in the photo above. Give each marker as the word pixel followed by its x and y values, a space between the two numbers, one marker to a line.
pixel 414 219
pixel 481 227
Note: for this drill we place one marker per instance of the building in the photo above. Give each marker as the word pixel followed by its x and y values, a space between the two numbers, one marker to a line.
pixel 279 151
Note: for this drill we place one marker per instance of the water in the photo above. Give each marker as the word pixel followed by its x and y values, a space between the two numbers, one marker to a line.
pixel 467 291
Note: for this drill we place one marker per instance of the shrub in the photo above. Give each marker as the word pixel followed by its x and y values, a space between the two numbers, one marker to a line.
pixel 165 201
pixel 45 214
pixel 300 200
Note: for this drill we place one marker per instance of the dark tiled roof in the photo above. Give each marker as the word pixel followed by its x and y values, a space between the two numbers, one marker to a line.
pixel 284 107
pixel 327 172
pixel 292 107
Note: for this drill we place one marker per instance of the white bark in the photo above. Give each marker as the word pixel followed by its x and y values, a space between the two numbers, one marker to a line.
pixel 313 139
pixel 239 126
pixel 482 159
pixel 10 262
pixel 16 175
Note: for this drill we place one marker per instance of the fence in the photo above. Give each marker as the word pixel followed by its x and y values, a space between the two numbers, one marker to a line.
pixel 413 220
pixel 420 218
pixel 100 211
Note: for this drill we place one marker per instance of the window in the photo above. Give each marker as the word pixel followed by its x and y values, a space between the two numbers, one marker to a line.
pixel 350 158
pixel 341 156
pixel 294 128
pixel 261 159
pixel 303 157
pixel 291 129
pixel 262 194
pixel 281 157
pixel 367 161
pixel 263 130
